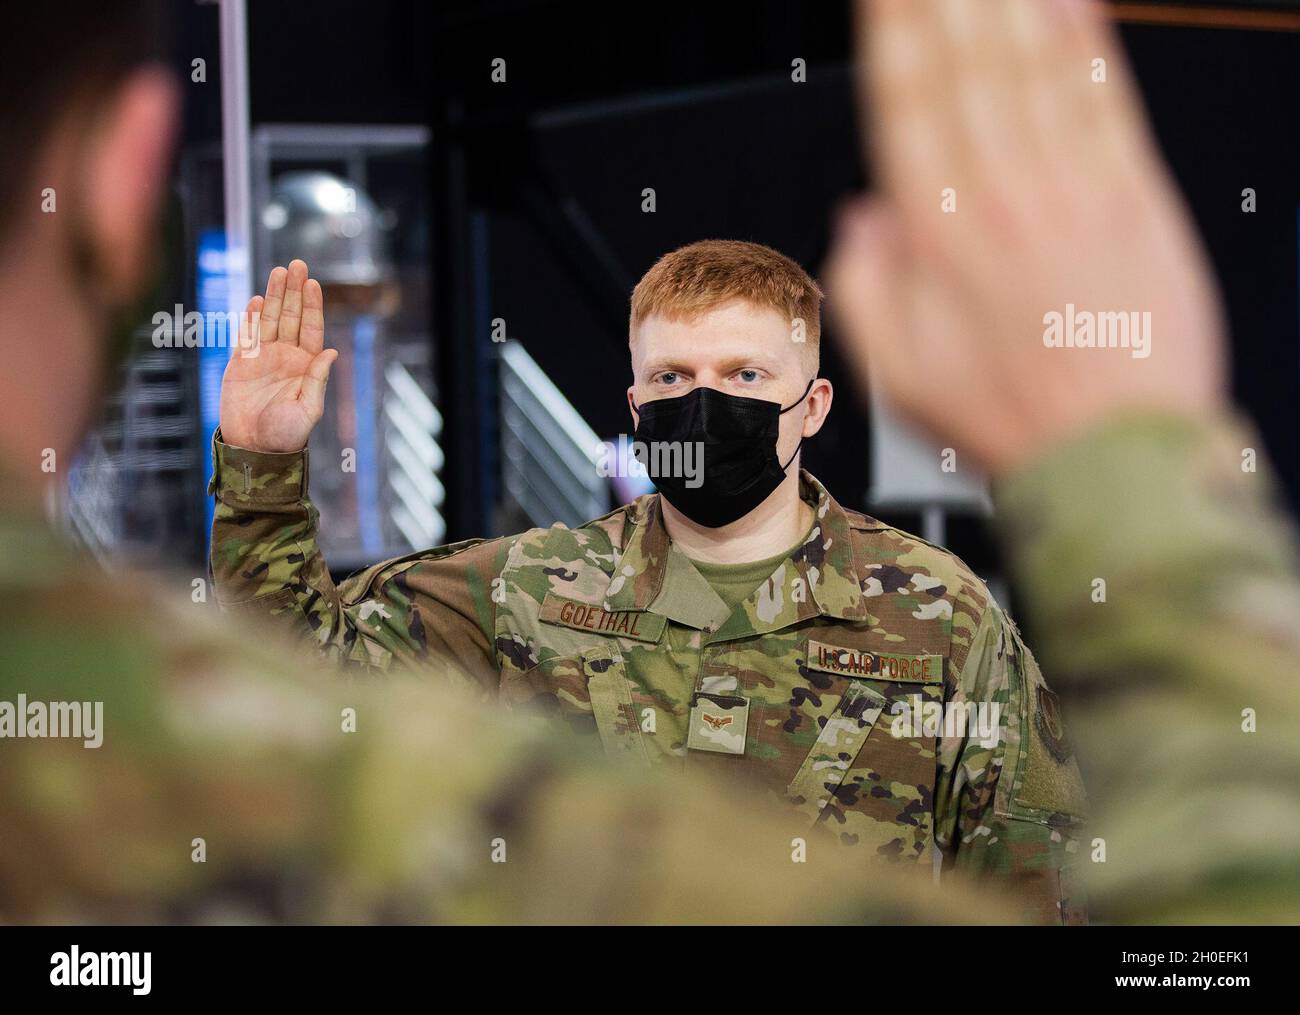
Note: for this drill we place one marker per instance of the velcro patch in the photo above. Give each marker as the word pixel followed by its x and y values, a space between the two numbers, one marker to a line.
pixel 852 662
pixel 635 624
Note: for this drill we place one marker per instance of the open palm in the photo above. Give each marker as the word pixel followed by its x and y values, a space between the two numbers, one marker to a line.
pixel 273 391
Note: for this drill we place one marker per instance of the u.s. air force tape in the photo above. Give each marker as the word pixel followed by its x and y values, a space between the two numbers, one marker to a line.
pixel 853 662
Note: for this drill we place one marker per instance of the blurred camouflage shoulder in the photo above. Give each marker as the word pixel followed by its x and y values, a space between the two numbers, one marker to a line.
pixel 228 781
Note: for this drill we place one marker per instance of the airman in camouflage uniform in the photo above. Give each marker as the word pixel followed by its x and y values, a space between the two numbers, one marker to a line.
pixel 799 688
pixel 230 786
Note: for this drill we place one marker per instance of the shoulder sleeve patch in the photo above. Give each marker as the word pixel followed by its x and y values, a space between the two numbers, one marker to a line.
pixel 1041 779
pixel 1047 722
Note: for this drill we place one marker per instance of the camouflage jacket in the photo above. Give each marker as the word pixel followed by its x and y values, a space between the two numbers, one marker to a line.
pixel 804 688
pixel 222 782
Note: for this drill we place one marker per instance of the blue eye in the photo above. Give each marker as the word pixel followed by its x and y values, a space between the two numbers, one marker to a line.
pixel 668 377
pixel 749 375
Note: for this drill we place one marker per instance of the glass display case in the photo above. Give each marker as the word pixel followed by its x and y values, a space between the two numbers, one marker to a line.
pixel 351 202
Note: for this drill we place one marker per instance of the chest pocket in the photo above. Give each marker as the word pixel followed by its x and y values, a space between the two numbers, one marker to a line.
pixel 869 775
pixel 835 749
pixel 616 716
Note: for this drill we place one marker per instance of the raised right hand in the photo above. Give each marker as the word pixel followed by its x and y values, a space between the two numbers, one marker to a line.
pixel 1061 199
pixel 273 390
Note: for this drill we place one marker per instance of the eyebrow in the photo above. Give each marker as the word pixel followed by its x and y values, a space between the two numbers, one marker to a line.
pixel 726 366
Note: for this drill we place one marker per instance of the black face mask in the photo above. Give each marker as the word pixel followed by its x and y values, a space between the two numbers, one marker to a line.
pixel 730 443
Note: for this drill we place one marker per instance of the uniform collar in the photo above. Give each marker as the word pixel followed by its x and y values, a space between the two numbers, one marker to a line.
pixel 821 576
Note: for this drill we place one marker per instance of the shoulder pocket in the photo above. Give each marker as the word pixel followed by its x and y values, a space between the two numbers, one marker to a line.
pixel 355 585
pixel 272 605
pixel 1040 780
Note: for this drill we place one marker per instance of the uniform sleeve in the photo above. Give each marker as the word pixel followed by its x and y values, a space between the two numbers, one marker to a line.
pixel 1009 797
pixel 266 560
pixel 1160 581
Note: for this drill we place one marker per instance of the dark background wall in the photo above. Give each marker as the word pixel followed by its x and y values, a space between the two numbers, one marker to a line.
pixel 538 181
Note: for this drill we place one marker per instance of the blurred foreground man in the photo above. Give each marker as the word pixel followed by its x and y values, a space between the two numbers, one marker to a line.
pixel 1183 680
pixel 153 768
pixel 740 621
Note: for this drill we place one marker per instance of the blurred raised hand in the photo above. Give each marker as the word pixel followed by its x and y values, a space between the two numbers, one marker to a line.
pixel 1016 175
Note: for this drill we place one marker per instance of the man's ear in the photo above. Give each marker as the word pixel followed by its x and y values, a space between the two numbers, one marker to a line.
pixel 820 396
pixel 631 407
pixel 124 171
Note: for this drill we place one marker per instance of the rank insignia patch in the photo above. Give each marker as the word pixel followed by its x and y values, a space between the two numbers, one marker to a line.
pixel 718 723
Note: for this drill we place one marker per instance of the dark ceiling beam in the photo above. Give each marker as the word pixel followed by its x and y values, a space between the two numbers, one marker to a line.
pixel 1207 16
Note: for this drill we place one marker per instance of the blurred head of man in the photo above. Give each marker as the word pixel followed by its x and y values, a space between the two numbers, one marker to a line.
pixel 85 147
pixel 744 320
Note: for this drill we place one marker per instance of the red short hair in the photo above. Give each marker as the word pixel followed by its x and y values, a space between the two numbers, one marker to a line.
pixel 705 274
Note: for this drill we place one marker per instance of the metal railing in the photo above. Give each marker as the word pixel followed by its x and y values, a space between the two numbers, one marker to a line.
pixel 549 454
